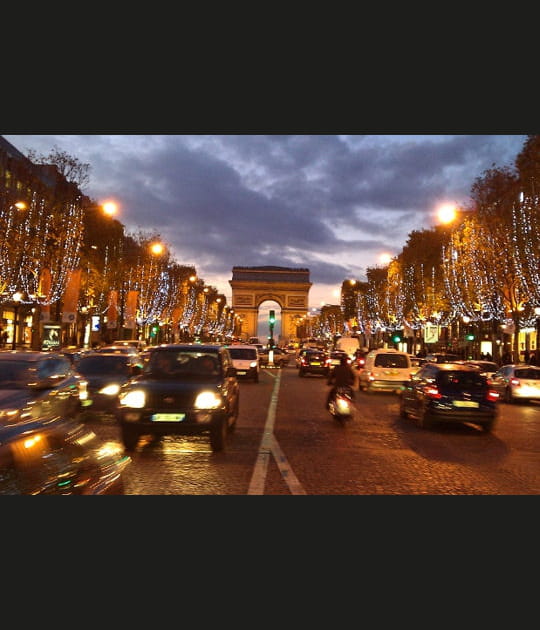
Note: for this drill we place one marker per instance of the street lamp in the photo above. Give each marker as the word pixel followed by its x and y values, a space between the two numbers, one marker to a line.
pixel 537 350
pixel 17 297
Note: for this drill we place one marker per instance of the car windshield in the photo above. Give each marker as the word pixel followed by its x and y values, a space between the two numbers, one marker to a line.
pixel 14 375
pixel 243 353
pixel 97 365
pixel 391 361
pixel 182 364
pixel 529 373
pixel 461 379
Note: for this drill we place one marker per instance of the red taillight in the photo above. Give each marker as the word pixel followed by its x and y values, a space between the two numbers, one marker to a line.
pixel 492 395
pixel 432 392
pixel 515 382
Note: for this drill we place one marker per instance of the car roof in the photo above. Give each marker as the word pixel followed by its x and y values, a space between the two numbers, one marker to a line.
pixel 453 367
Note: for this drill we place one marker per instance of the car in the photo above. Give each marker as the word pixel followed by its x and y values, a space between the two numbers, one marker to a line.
pixel 39 384
pixel 449 392
pixel 279 358
pixel 104 374
pixel 312 361
pixel 487 368
pixel 59 456
pixel 119 349
pixel 74 353
pixel 245 358
pixel 386 369
pixel 442 357
pixel 183 389
pixel 517 382
pixel 334 358
pixel 138 344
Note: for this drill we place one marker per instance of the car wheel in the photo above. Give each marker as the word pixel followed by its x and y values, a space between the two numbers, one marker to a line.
pixel 130 438
pixel 488 426
pixel 402 411
pixel 423 420
pixel 234 417
pixel 218 435
pixel 508 398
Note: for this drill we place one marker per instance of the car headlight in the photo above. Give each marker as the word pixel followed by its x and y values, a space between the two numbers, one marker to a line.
pixel 135 399
pixel 10 414
pixel 110 390
pixel 253 364
pixel 207 400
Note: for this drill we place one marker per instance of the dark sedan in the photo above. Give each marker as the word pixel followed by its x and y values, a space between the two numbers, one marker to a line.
pixel 59 456
pixel 38 384
pixel 184 389
pixel 313 361
pixel 104 374
pixel 449 392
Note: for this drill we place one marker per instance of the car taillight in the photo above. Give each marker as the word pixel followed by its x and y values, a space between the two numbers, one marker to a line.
pixel 492 395
pixel 432 392
pixel 515 382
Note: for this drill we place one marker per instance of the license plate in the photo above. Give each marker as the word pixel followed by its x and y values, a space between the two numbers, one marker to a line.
pixel 315 363
pixel 465 403
pixel 168 417
pixel 240 372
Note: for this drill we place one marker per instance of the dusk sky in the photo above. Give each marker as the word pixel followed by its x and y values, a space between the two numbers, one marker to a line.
pixel 329 203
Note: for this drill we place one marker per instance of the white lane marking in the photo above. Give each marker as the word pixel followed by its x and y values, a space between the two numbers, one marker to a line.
pixel 269 446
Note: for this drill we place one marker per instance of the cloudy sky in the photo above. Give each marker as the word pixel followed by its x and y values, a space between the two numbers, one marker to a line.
pixel 330 203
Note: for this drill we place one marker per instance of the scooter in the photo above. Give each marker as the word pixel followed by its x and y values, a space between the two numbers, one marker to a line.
pixel 341 405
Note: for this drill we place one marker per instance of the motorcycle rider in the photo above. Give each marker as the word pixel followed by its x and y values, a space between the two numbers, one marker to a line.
pixel 343 375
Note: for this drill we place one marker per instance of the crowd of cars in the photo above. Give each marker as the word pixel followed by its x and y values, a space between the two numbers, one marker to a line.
pixel 48 398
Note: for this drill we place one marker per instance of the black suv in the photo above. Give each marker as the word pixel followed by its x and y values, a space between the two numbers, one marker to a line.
pixel 449 392
pixel 184 389
pixel 312 361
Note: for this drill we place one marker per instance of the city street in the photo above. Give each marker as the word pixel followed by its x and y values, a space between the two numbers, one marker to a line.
pixel 286 443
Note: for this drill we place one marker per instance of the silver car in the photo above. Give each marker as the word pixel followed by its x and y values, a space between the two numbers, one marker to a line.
pixel 517 382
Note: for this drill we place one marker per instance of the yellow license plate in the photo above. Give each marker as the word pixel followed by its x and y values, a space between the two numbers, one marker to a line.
pixel 465 403
pixel 315 363
pixel 168 417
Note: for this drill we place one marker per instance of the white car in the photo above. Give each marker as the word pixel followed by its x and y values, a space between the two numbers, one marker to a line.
pixel 517 382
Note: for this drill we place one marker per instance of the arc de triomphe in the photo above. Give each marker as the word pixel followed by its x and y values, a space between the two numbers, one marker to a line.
pixel 289 287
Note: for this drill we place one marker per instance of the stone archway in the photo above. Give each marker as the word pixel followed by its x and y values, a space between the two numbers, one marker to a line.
pixel 251 286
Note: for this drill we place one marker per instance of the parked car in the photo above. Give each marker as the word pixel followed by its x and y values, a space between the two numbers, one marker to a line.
pixel 104 374
pixel 386 369
pixel 313 361
pixel 184 389
pixel 279 358
pixel 59 456
pixel 39 384
pixel 517 382
pixel 245 358
pixel 449 392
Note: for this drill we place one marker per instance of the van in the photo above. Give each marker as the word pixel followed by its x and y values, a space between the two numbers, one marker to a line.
pixel 349 345
pixel 245 358
pixel 386 369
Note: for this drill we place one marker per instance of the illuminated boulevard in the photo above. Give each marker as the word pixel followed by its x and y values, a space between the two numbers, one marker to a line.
pixel 286 443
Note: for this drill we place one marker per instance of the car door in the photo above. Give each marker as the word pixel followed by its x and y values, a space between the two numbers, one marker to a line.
pixel 59 386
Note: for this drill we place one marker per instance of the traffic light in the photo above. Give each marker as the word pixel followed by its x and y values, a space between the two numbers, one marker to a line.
pixel 154 330
pixel 272 318
pixel 469 337
pixel 396 337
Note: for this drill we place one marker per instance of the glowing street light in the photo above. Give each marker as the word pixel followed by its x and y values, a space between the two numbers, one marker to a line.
pixel 447 213
pixel 110 208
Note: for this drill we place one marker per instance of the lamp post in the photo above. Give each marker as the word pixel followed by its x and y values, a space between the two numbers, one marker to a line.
pixel 17 297
pixel 536 349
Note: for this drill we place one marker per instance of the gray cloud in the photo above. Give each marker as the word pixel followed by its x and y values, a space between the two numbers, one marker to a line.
pixel 326 202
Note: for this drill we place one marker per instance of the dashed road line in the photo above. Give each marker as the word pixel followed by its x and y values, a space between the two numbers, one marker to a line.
pixel 269 446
